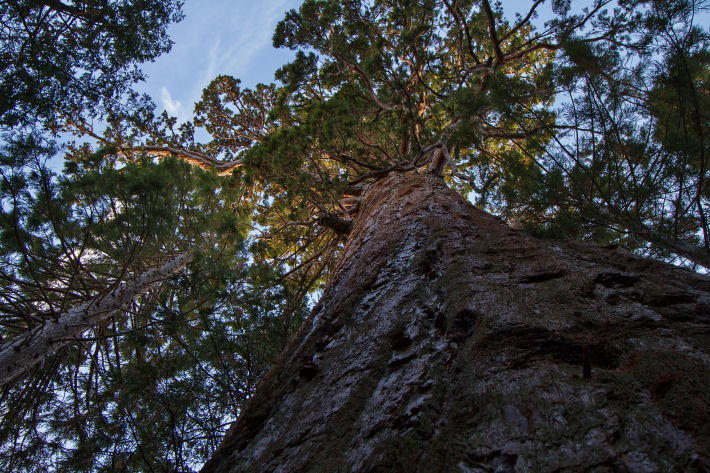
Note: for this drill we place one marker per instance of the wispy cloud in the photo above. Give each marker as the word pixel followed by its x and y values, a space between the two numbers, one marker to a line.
pixel 173 107
pixel 215 60
pixel 237 52
pixel 217 37
pixel 236 48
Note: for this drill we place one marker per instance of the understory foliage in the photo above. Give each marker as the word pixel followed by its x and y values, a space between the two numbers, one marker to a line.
pixel 590 125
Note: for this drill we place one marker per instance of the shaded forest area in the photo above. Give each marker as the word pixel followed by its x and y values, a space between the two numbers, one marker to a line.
pixel 147 289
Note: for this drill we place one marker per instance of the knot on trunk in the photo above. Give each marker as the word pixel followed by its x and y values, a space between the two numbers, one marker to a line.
pixel 335 223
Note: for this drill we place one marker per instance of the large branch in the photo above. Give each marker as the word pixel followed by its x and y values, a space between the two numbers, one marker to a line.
pixel 23 352
pixel 696 254
pixel 197 159
pixel 461 22
pixel 193 157
pixel 440 158
pixel 492 32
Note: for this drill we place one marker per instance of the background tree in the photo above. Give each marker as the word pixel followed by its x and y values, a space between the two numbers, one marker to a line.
pixel 77 57
pixel 629 169
pixel 152 384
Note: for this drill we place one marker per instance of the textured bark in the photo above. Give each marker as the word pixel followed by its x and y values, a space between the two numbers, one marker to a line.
pixel 21 353
pixel 448 342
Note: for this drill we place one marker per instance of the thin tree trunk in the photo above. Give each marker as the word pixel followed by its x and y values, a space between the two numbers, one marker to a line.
pixel 693 253
pixel 20 354
pixel 448 342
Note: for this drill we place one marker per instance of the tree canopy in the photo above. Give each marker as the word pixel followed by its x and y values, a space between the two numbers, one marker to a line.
pixel 61 59
pixel 592 127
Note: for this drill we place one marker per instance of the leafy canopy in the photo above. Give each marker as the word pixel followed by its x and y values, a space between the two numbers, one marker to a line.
pixel 591 127
pixel 77 56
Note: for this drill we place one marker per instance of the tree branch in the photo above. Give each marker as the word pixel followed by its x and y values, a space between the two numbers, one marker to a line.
pixel 25 351
pixel 464 27
pixel 524 21
pixel 492 32
pixel 197 159
pixel 193 157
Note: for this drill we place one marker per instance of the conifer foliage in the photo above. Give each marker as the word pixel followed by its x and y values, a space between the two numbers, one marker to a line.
pixel 75 56
pixel 593 126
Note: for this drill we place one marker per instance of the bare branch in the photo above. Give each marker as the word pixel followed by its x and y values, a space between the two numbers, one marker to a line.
pixel 522 22
pixel 197 159
pixel 193 157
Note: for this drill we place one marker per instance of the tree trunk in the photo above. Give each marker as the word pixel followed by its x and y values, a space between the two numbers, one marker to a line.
pixel 21 353
pixel 447 342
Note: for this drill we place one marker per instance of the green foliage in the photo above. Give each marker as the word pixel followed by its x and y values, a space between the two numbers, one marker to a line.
pixel 236 118
pixel 173 368
pixel 74 57
pixel 595 128
pixel 629 167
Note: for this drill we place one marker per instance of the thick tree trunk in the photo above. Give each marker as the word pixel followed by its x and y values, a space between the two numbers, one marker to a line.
pixel 446 341
pixel 21 353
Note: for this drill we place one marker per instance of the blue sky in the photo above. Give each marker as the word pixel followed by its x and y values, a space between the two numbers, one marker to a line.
pixel 227 37
pixel 216 37
pixel 234 37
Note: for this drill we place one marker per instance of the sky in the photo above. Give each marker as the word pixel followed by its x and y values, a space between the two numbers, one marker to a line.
pixel 216 37
pixel 230 37
pixel 234 37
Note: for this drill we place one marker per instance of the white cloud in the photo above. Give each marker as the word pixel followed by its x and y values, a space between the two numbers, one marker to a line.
pixel 217 37
pixel 243 41
pixel 173 107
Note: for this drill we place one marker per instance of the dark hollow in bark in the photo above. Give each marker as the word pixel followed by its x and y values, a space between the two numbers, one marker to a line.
pixel 447 342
